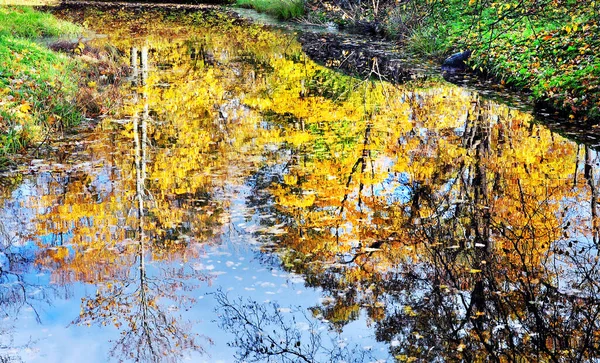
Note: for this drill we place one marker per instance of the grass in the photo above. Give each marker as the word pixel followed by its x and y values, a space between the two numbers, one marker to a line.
pixel 550 50
pixel 37 86
pixel 282 9
pixel 427 41
pixel 24 22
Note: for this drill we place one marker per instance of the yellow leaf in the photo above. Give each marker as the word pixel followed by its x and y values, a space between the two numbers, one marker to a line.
pixel 300 138
pixel 25 107
pixel 409 311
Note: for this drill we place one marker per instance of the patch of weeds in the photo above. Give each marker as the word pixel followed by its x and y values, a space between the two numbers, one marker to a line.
pixel 400 21
pixel 24 22
pixel 282 9
pixel 428 42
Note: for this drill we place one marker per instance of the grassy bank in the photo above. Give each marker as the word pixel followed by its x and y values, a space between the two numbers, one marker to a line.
pixel 549 47
pixel 546 46
pixel 282 9
pixel 37 86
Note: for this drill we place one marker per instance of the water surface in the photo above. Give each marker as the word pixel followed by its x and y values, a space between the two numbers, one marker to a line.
pixel 246 203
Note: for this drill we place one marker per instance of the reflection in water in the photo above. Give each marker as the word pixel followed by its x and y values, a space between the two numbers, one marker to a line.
pixel 263 333
pixel 462 237
pixel 454 226
pixel 17 293
pixel 134 301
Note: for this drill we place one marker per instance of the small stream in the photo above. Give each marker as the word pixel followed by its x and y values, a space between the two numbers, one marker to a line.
pixel 245 203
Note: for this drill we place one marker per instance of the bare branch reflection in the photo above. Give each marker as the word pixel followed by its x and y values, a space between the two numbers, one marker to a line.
pixel 271 333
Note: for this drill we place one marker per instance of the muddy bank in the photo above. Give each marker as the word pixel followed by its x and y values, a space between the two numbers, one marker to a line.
pixel 363 57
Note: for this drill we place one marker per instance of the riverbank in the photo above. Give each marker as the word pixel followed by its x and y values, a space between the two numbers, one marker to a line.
pixel 544 47
pixel 50 79
pixel 37 85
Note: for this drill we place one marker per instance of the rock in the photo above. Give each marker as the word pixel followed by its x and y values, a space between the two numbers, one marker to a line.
pixel 457 60
pixel 64 45
pixel 367 28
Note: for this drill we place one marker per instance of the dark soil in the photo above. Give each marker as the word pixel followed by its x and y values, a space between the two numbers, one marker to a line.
pixel 362 57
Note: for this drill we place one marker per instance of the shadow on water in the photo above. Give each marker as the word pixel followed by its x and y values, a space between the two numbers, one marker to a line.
pixel 248 203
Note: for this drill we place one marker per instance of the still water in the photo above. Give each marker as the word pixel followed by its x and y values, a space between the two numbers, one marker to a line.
pixel 243 203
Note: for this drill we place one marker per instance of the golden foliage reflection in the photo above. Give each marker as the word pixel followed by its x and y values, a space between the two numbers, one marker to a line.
pixel 462 228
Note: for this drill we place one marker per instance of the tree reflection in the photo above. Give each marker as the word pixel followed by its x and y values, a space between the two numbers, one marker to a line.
pixel 471 314
pixel 464 230
pixel 263 333
pixel 149 192
pixel 452 229
pixel 18 292
pixel 134 303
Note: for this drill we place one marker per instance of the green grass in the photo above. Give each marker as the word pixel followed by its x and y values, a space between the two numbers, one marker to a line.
pixel 37 86
pixel 550 50
pixel 427 41
pixel 282 9
pixel 24 22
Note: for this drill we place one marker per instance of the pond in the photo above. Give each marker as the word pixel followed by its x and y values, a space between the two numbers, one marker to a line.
pixel 244 203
